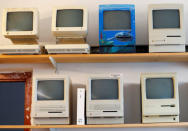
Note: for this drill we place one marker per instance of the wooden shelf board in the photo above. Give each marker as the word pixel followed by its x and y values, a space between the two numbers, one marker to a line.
pixel 24 59
pixel 96 58
pixel 156 125
pixel 134 57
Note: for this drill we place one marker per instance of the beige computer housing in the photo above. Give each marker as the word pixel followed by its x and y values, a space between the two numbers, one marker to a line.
pixel 21 34
pixel 69 40
pixel 23 41
pixel 51 111
pixel 166 39
pixel 105 111
pixel 159 110
pixel 70 35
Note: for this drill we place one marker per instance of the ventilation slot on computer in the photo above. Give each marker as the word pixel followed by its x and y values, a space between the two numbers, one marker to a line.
pixel 19 50
pixel 67 50
pixel 106 107
pixel 7 50
pixel 79 49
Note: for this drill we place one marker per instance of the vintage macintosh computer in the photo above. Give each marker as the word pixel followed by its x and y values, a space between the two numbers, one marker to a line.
pixel 104 99
pixel 20 25
pixel 117 30
pixel 160 98
pixel 166 28
pixel 69 26
pixel 51 100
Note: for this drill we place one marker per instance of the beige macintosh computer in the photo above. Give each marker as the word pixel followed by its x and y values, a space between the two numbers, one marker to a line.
pixel 20 25
pixel 104 99
pixel 69 26
pixel 51 100
pixel 160 98
pixel 166 28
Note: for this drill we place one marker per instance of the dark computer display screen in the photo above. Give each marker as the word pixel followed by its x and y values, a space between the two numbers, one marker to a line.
pixel 50 90
pixel 69 18
pixel 19 21
pixel 159 88
pixel 104 89
pixel 12 101
pixel 166 18
pixel 116 20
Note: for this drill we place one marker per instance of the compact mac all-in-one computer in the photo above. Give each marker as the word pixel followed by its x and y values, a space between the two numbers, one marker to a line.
pixel 117 28
pixel 69 26
pixel 104 100
pixel 166 28
pixel 20 25
pixel 160 98
pixel 51 100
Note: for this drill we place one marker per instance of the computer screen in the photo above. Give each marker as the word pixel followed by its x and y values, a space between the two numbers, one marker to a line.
pixel 159 88
pixel 19 21
pixel 104 89
pixel 50 90
pixel 168 18
pixel 116 20
pixel 69 18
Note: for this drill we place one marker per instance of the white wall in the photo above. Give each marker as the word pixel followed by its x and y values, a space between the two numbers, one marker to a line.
pixel 79 72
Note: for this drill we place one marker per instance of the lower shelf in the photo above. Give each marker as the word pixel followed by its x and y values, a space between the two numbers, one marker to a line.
pixel 156 125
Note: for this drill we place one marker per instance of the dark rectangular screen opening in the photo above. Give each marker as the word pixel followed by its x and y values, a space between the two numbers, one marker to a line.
pixel 50 90
pixel 104 89
pixel 12 100
pixel 116 20
pixel 69 18
pixel 168 18
pixel 159 88
pixel 19 21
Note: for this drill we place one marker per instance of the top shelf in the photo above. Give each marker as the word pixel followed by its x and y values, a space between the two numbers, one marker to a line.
pixel 96 58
